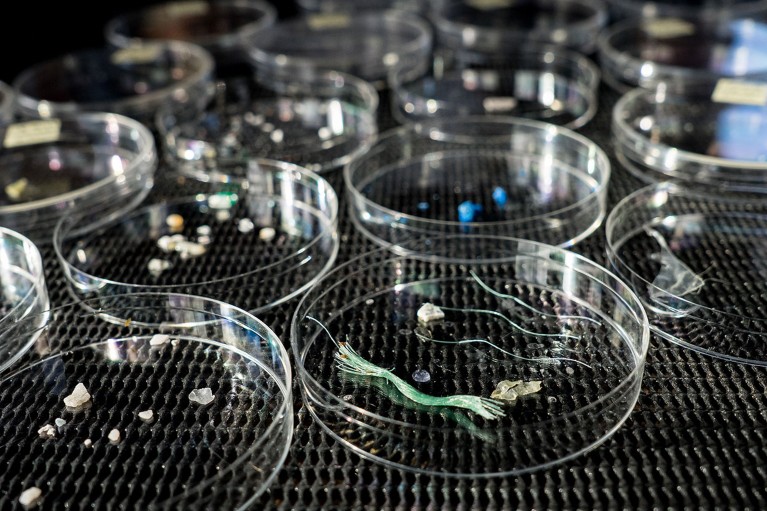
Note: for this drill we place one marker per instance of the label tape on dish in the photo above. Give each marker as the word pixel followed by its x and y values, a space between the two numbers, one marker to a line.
pixel 186 8
pixel 32 132
pixel 140 54
pixel 667 28
pixel 328 21
pixel 739 92
pixel 489 5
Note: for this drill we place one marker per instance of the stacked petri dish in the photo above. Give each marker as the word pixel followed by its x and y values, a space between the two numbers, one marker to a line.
pixel 687 8
pixel 148 391
pixel 535 82
pixel 255 241
pixel 320 124
pixel 484 175
pixel 95 164
pixel 134 81
pixel 695 259
pixel 470 355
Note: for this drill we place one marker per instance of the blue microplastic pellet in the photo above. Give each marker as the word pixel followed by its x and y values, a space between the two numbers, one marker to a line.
pixel 467 210
pixel 423 206
pixel 500 196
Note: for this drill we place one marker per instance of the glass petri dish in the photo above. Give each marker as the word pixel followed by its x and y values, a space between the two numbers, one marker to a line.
pixel 180 452
pixel 412 390
pixel 483 175
pixel 133 81
pixel 98 164
pixel 418 6
pixel 366 44
pixel 694 258
pixel 24 294
pixel 496 25
pixel 223 27
pixel 535 82
pixel 687 8
pixel 716 139
pixel 319 124
pixel 682 54
pixel 255 243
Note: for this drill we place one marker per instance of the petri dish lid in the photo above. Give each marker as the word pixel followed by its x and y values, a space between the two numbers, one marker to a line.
pixel 694 258
pixel 196 447
pixel 686 8
pixel 485 175
pixel 418 6
pixel 132 81
pixel 24 293
pixel 320 124
pixel 255 242
pixel 366 44
pixel 716 139
pixel 496 25
pixel 535 82
pixel 99 164
pixel 222 27
pixel 383 376
pixel 682 54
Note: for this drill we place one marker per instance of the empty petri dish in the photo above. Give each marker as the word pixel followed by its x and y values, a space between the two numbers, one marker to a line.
pixel 535 82
pixel 491 357
pixel 222 27
pixel 418 6
pixel 188 405
pixel 482 175
pixel 132 81
pixel 366 44
pixel 694 258
pixel 98 164
pixel 686 8
pixel 319 124
pixel 497 25
pixel 255 243
pixel 716 139
pixel 24 294
pixel 682 54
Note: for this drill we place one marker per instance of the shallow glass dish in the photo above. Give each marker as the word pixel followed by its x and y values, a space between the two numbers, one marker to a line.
pixel 696 259
pixel 133 81
pixel 255 242
pixel 556 340
pixel 97 164
pixel 721 141
pixel 149 431
pixel 535 82
pixel 482 175
pixel 366 44
pixel 497 25
pixel 24 293
pixel 223 27
pixel 687 8
pixel 682 54
pixel 419 6
pixel 319 124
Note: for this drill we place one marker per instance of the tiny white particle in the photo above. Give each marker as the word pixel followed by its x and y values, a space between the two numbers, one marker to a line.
pixel 60 423
pixel 157 266
pixel 220 201
pixel 570 370
pixel 245 225
pixel 30 497
pixel 203 230
pixel 78 397
pixel 369 301
pixel 175 222
pixel 88 442
pixel 267 234
pixel 277 136
pixel 146 415
pixel 114 436
pixel 223 215
pixel 430 312
pixel 203 396
pixel 158 340
pixel 47 432
pixel 187 249
pixel 174 342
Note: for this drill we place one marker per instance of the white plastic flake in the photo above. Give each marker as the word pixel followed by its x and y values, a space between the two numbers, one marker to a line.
pixel 88 442
pixel 60 423
pixel 267 234
pixel 202 396
pixel 30 497
pixel 429 312
pixel 47 432
pixel 146 415
pixel 159 339
pixel 157 266
pixel 78 397
pixel 114 436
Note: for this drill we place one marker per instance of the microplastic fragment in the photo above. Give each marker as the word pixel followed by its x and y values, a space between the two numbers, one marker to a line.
pixel 429 312
pixel 47 432
pixel 78 397
pixel 267 234
pixel 146 415
pixel 202 396
pixel 114 436
pixel 30 497
pixel 159 339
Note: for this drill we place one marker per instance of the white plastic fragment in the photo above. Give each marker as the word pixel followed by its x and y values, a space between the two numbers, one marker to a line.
pixel 114 436
pixel 203 230
pixel 245 225
pixel 187 249
pixel 88 442
pixel 30 497
pixel 47 432
pixel 60 423
pixel 203 396
pixel 168 243
pixel 146 415
pixel 159 339
pixel 267 234
pixel 429 313
pixel 157 266
pixel 220 201
pixel 78 397
pixel 510 390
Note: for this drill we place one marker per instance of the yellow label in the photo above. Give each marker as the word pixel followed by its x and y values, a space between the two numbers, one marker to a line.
pixel 489 5
pixel 32 132
pixel 327 21
pixel 186 8
pixel 499 104
pixel 738 92
pixel 140 54
pixel 667 28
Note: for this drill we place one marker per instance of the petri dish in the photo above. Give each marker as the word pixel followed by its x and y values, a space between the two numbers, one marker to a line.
pixel 133 81
pixel 496 25
pixel 535 82
pixel 98 164
pixel 686 8
pixel 716 139
pixel 24 293
pixel 255 243
pixel 189 447
pixel 366 44
pixel 694 259
pixel 558 341
pixel 319 124
pixel 222 27
pixel 484 175
pixel 417 6
pixel 682 54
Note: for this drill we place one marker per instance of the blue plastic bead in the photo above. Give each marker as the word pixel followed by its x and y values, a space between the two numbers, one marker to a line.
pixel 500 196
pixel 467 211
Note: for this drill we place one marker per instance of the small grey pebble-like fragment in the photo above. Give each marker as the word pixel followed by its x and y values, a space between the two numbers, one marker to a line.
pixel 158 339
pixel 245 225
pixel 114 436
pixel 60 423
pixel 146 415
pixel 30 497
pixel 203 396
pixel 78 397
pixel 421 376
pixel 47 432
pixel 267 234
pixel 88 442
pixel 429 312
